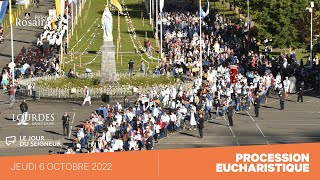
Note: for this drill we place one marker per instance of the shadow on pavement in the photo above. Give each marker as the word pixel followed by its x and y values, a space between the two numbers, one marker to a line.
pixel 243 114
pixel 269 107
pixel 52 132
pixel 9 119
pixel 76 103
pixel 216 123
pixel 187 134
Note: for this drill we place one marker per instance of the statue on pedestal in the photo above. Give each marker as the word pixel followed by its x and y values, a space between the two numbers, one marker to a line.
pixel 107 24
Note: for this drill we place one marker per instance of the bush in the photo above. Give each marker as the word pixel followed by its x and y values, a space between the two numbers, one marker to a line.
pixel 145 81
pixel 137 81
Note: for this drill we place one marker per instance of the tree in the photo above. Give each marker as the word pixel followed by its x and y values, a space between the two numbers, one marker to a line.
pixel 285 21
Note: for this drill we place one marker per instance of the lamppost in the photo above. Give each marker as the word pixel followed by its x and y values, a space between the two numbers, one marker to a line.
pixel 310 9
pixel 248 4
pixel 150 4
pixel 224 3
pixel 200 39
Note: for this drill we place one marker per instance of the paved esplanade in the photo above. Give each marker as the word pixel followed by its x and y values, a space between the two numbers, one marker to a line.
pixel 23 36
pixel 298 123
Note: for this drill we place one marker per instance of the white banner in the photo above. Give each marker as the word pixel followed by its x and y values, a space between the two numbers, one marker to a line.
pixel 62 8
pixel 161 5
pixel 23 2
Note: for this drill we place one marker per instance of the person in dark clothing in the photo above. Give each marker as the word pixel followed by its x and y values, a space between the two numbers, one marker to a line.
pixel 131 63
pixel 66 47
pixel 230 111
pixel 301 92
pixel 24 111
pixel 149 142
pixel 257 105
pixel 216 103
pixel 282 99
pixel 65 123
pixel 126 102
pixel 201 125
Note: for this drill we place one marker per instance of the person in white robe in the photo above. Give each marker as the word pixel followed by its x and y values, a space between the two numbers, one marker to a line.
pixel 193 121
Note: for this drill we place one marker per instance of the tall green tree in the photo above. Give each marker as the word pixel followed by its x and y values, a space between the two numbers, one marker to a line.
pixel 285 21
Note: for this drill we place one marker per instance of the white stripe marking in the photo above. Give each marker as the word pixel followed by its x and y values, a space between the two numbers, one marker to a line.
pixel 70 131
pixel 74 114
pixel 260 131
pixel 250 116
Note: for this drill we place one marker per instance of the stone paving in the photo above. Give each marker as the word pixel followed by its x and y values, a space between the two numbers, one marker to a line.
pixel 298 123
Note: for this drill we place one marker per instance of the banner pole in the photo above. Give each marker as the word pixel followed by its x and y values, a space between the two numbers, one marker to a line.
pixel 72 19
pixel 67 25
pixel 11 29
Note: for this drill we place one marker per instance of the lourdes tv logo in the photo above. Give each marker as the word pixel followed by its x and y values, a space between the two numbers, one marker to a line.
pixel 29 21
pixel 34 119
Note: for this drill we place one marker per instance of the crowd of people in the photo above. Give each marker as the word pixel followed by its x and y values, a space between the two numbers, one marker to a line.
pixel 44 59
pixel 137 126
pixel 225 47
pixel 235 77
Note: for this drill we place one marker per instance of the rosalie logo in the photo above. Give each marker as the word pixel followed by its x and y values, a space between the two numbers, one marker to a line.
pixel 27 15
pixel 31 21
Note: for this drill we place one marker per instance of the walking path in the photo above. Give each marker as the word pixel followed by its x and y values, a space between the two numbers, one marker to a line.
pixel 24 36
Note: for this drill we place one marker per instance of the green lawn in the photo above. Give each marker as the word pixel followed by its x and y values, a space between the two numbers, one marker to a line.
pixel 221 9
pixel 300 53
pixel 89 35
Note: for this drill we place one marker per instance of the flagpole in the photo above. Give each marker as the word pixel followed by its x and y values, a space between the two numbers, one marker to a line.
pixel 67 25
pixel 77 12
pixel 161 35
pixel 150 11
pixel 61 43
pixel 118 49
pixel 11 29
pixel 80 7
pixel 72 18
pixel 157 13
pixel 200 41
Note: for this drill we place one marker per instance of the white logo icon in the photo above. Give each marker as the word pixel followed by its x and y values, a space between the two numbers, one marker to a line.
pixel 10 140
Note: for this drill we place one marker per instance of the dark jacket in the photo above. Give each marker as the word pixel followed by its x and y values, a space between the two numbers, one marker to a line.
pixel 216 102
pixel 301 89
pixel 257 103
pixel 200 123
pixel 65 120
pixel 126 103
pixel 230 110
pixel 283 96
pixel 24 107
pixel 149 143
